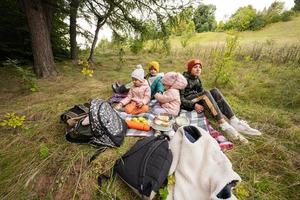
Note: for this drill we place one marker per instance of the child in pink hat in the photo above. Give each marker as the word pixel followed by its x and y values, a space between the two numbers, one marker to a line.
pixel 169 101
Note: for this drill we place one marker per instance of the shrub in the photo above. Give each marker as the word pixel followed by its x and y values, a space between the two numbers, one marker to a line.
pixel 242 19
pixel 86 69
pixel 121 54
pixel 27 76
pixel 224 62
pixel 44 151
pixel 287 15
pixel 185 39
pixel 258 22
pixel 136 45
pixel 12 120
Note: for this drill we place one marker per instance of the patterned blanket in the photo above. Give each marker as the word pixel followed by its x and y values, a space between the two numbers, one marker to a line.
pixel 134 132
pixel 196 119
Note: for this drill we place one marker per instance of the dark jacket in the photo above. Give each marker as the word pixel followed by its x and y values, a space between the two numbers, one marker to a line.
pixel 192 90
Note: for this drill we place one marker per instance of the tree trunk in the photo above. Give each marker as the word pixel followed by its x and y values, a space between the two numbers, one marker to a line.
pixel 99 24
pixel 40 38
pixel 49 15
pixel 74 4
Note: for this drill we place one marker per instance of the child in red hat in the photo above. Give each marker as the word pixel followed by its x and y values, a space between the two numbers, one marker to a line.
pixel 194 97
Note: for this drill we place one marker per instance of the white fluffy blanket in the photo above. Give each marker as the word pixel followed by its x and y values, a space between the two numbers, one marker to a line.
pixel 201 169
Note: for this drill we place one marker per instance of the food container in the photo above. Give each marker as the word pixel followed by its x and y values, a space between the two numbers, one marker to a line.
pixel 181 121
pixel 163 123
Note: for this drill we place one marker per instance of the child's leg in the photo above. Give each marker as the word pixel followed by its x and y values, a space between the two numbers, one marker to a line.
pixel 129 108
pixel 222 103
pixel 157 109
pixel 143 109
pixel 210 105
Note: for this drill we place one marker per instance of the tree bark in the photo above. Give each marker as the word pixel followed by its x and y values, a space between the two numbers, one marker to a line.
pixel 39 25
pixel 99 25
pixel 49 15
pixel 74 4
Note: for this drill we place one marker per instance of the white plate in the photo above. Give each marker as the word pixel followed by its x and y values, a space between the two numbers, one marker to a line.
pixel 161 128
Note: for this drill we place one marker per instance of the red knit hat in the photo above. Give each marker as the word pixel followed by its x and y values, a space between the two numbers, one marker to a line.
pixel 191 63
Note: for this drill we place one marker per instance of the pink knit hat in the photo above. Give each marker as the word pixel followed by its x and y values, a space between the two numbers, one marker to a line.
pixel 175 80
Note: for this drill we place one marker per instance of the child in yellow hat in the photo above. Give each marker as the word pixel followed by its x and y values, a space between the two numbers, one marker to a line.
pixel 154 78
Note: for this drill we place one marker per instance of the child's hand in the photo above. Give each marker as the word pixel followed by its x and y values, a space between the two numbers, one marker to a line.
pixel 139 105
pixel 118 106
pixel 199 108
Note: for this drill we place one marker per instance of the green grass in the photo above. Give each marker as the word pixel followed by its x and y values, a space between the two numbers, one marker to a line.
pixel 38 163
pixel 281 33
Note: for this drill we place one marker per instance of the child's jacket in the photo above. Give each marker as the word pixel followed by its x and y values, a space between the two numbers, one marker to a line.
pixel 170 99
pixel 141 94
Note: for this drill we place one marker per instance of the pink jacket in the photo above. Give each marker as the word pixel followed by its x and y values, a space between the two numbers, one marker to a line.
pixel 140 94
pixel 170 99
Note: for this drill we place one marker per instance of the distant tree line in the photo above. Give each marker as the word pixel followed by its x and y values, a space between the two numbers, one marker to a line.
pixel 248 18
pixel 202 19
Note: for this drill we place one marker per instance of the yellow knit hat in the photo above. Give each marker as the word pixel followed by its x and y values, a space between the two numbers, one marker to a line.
pixel 154 64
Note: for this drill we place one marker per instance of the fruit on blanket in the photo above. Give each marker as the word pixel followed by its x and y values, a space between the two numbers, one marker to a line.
pixel 134 119
pixel 134 124
pixel 140 120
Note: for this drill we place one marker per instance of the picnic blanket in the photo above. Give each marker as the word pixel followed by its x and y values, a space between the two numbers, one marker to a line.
pixel 196 119
pixel 134 132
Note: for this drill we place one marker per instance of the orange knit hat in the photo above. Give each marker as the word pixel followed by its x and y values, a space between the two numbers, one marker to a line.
pixel 191 63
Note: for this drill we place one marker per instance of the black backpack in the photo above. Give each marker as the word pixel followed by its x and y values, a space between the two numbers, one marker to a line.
pixel 77 112
pixel 80 134
pixel 106 127
pixel 146 165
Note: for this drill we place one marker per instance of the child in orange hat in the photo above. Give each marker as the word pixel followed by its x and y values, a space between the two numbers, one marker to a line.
pixel 194 97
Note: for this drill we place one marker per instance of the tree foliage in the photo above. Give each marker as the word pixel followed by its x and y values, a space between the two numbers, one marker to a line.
pixel 14 33
pixel 242 19
pixel 182 23
pixel 204 18
pixel 297 5
pixel 59 35
pixel 139 20
pixel 247 18
pixel 273 13
pixel 15 41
